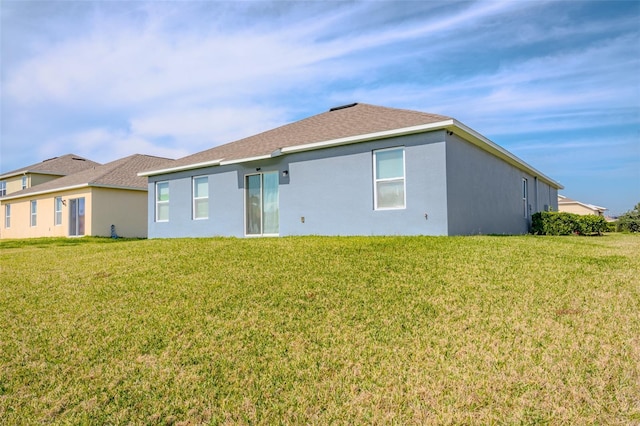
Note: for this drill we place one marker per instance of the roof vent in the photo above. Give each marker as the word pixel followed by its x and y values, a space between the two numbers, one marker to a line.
pixel 49 159
pixel 343 107
pixel 79 159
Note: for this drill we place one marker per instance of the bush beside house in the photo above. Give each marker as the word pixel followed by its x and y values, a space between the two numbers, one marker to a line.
pixel 561 223
pixel 630 221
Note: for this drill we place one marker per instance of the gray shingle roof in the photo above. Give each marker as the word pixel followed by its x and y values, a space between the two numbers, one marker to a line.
pixel 350 124
pixel 122 173
pixel 60 166
pixel 357 119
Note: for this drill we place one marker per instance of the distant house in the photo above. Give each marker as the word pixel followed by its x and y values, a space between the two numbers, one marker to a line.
pixel 88 202
pixel 45 171
pixel 358 169
pixel 573 206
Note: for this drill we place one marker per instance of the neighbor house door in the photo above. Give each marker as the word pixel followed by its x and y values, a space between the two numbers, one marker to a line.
pixel 76 216
pixel 262 215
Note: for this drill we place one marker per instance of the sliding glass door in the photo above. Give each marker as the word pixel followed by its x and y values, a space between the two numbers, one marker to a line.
pixel 261 204
pixel 76 216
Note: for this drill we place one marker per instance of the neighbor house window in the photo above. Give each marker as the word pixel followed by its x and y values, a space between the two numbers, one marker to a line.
pixel 3 188
pixel 34 213
pixel 162 201
pixel 200 197
pixel 24 182
pixel 57 220
pixel 7 216
pixel 525 198
pixel 388 176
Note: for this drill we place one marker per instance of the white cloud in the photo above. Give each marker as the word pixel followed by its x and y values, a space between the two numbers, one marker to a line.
pixel 124 65
pixel 206 127
pixel 108 79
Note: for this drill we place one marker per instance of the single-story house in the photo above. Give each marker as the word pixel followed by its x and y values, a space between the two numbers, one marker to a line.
pixel 45 171
pixel 357 169
pixel 568 205
pixel 88 202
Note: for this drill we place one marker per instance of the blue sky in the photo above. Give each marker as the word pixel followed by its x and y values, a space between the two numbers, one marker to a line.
pixel 557 83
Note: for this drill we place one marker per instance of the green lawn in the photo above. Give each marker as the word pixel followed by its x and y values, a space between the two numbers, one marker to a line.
pixel 397 330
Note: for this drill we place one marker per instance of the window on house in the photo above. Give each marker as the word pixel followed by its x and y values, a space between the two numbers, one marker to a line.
pixel 162 201
pixel 525 198
pixel 3 188
pixel 389 180
pixel 200 197
pixel 58 211
pixel 7 216
pixel 34 213
pixel 24 182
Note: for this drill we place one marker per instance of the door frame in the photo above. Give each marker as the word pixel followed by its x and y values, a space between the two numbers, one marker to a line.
pixel 74 204
pixel 246 211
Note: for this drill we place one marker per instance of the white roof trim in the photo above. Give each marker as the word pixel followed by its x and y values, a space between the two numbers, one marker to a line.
pixel 245 160
pixel 453 125
pixel 564 201
pixel 69 188
pixel 181 168
pixel 367 137
pixel 127 188
pixel 477 139
pixel 46 191
pixel 32 172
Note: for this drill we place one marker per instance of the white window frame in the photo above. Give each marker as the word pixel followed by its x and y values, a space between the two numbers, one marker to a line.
pixel 34 213
pixel 3 188
pixel 24 182
pixel 7 216
pixel 395 179
pixel 158 202
pixel 57 211
pixel 525 198
pixel 201 198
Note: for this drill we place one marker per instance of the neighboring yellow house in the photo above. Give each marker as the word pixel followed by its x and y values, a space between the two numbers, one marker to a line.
pixel 88 202
pixel 568 205
pixel 45 171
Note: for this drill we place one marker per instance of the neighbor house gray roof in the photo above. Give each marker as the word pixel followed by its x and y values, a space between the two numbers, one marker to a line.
pixel 348 124
pixel 57 166
pixel 120 174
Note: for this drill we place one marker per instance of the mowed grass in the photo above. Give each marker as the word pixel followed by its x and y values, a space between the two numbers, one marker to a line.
pixel 395 330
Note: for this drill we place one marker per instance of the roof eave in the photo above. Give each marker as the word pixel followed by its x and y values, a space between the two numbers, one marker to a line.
pixel 589 206
pixel 181 168
pixel 122 187
pixel 477 139
pixel 246 159
pixel 46 191
pixel 27 172
pixel 368 137
pixel 72 187
pixel 453 125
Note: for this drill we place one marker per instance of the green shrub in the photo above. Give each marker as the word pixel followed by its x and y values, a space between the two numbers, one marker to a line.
pixel 591 224
pixel 630 221
pixel 561 223
pixel 553 223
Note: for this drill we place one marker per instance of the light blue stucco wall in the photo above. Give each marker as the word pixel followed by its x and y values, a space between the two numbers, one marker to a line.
pixel 331 188
pixel 452 188
pixel 485 193
pixel 226 205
